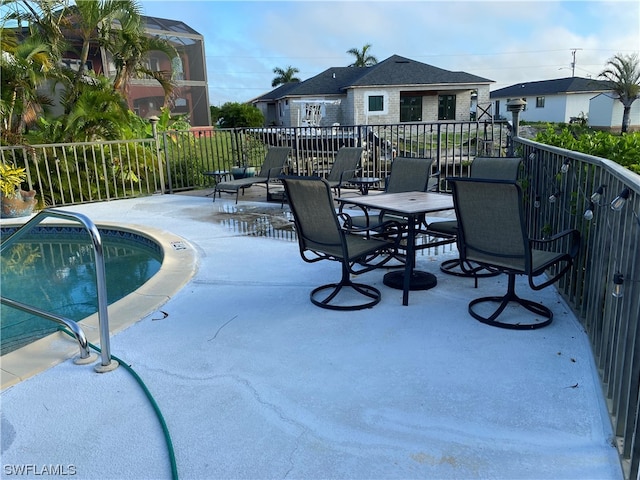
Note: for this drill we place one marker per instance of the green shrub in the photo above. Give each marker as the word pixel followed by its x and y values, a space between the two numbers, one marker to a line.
pixel 623 149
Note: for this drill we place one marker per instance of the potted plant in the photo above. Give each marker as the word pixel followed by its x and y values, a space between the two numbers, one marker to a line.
pixel 250 149
pixel 14 201
pixel 244 170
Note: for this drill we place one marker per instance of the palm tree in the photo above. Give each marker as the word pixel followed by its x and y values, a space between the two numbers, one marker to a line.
pixel 93 21
pixel 25 67
pixel 47 18
pixel 363 58
pixel 623 71
pixel 130 47
pixel 284 76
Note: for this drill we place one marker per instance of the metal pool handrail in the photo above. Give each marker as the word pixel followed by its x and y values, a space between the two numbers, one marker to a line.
pixel 77 331
pixel 107 363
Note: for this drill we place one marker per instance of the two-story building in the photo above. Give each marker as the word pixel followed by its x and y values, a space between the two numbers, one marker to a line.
pixel 393 91
pixel 189 73
pixel 146 95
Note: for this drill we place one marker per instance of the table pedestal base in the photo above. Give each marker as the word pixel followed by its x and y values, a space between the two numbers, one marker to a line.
pixel 418 281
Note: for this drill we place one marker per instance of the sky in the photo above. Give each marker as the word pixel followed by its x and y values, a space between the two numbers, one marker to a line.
pixel 505 41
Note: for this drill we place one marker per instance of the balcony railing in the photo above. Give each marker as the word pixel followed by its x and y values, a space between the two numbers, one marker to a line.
pixel 452 144
pixel 603 288
pixel 74 173
pixel 558 183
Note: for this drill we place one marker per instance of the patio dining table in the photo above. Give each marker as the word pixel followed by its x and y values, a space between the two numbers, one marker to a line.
pixel 413 206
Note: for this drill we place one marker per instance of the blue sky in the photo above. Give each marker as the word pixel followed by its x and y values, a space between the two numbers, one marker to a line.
pixel 505 41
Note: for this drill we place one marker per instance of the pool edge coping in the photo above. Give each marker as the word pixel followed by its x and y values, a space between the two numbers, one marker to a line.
pixel 179 265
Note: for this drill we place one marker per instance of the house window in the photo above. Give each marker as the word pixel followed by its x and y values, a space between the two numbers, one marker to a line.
pixel 74 64
pixel 410 109
pixel 539 102
pixel 446 107
pixel 376 103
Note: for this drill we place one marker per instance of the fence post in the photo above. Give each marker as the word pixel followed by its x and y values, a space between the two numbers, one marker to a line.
pixel 154 129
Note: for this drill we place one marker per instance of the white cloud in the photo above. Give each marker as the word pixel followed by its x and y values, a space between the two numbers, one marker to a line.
pixel 506 41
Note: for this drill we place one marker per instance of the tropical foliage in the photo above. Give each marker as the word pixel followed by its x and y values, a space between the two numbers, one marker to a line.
pixel 623 149
pixel 34 41
pixel 285 75
pixel 363 57
pixel 233 114
pixel 10 178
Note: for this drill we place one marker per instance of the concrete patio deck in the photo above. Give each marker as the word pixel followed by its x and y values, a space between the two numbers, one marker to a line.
pixel 255 382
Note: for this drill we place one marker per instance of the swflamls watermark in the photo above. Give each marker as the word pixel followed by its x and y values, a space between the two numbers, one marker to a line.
pixel 58 469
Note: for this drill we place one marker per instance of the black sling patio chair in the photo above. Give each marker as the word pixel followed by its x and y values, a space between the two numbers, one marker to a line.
pixel 345 167
pixel 407 175
pixel 495 168
pixel 492 233
pixel 321 236
pixel 274 162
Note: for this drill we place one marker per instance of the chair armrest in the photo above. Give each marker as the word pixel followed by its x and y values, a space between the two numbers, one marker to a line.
pixel 353 172
pixel 348 227
pixel 574 240
pixel 278 171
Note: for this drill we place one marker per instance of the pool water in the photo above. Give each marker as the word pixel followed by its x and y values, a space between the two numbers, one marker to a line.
pixel 53 269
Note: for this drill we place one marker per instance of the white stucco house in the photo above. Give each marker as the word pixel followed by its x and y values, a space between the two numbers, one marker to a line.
pixel 393 91
pixel 559 100
pixel 605 112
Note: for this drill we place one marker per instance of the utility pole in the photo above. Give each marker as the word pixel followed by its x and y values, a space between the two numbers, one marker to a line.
pixel 573 62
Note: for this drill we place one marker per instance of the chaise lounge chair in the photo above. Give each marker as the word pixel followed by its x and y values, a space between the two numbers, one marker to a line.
pixel 272 167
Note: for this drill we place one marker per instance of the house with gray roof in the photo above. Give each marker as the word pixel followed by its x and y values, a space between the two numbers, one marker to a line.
pixel 559 101
pixel 393 91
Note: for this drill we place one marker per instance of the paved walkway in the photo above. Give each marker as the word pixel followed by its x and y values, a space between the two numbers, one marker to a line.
pixel 256 383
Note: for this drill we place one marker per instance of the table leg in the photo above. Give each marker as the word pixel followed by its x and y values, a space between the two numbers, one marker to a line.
pixel 410 278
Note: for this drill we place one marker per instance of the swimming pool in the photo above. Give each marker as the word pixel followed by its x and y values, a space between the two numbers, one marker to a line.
pixel 53 268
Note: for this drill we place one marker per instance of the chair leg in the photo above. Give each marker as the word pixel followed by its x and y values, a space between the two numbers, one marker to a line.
pixel 510 296
pixel 345 283
pixel 453 267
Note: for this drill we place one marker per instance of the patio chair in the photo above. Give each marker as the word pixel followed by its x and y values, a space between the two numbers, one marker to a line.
pixel 495 168
pixel 492 233
pixel 407 175
pixel 272 167
pixel 344 167
pixel 321 237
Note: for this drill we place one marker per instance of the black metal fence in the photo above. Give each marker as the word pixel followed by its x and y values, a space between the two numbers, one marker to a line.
pixel 453 145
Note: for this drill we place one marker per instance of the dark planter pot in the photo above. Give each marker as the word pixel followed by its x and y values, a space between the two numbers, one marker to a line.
pixel 243 172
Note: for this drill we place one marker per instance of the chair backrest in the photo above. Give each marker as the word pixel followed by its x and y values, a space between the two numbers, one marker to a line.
pixel 311 203
pixel 409 175
pixel 347 160
pixel 491 225
pixel 275 158
pixel 496 168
